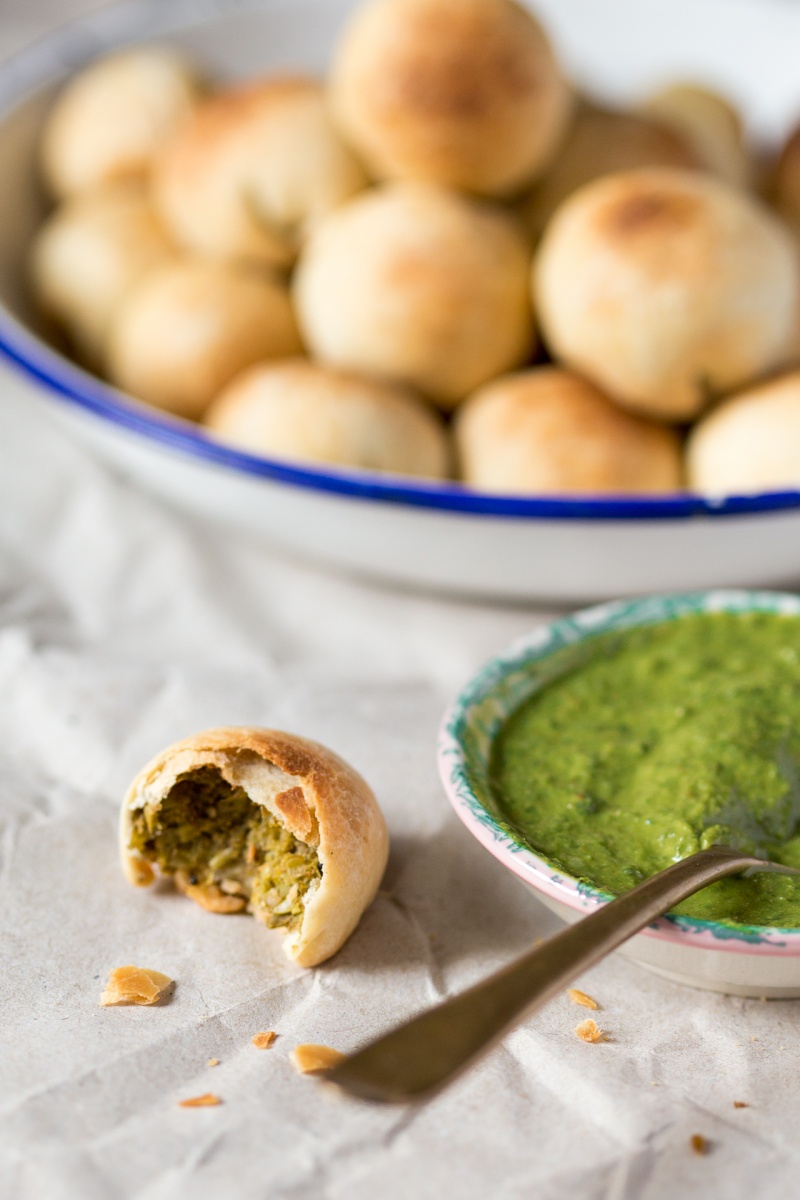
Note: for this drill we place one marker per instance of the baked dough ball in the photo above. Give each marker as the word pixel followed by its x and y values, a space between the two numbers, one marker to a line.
pixel 601 141
pixel 252 170
pixel 547 430
pixel 301 411
pixel 710 125
pixel 418 284
pixel 785 182
pixel 664 287
pixel 89 254
pixel 110 119
pixel 189 327
pixel 259 820
pixel 750 443
pixel 466 93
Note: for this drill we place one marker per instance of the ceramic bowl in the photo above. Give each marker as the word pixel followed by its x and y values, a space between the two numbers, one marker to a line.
pixel 443 537
pixel 746 960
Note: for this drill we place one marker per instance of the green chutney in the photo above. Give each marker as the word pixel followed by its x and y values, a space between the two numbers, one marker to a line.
pixel 661 741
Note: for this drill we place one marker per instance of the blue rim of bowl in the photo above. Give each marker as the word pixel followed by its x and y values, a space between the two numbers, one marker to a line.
pixel 43 63
pixel 479 709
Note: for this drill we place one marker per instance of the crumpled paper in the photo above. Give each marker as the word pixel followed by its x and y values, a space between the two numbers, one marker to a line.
pixel 124 625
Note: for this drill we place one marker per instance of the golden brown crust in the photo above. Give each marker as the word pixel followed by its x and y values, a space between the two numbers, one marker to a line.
pixel 600 142
pixel 547 430
pixel 135 985
pixel 417 284
pixel 750 442
pixel 111 117
pixel 459 92
pixel 255 164
pixel 666 288
pixel 185 330
pixel 590 1031
pixel 207 1100
pixel 580 998
pixel 306 412
pixel 313 1059
pixel 348 829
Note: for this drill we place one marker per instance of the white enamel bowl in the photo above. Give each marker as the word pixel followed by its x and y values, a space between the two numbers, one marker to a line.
pixel 745 960
pixel 442 537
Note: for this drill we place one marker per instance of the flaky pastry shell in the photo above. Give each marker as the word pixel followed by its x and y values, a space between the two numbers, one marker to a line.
pixel 311 792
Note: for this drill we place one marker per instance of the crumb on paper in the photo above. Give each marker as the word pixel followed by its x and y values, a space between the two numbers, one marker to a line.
pixel 590 1031
pixel 762 999
pixel 579 997
pixel 134 985
pixel 207 1100
pixel 263 1040
pixel 740 1104
pixel 313 1060
pixel 213 1062
pixel 699 1144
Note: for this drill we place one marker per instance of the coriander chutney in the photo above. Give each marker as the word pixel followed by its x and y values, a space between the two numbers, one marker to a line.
pixel 663 740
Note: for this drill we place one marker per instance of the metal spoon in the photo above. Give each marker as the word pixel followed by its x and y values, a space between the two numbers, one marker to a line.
pixel 423 1055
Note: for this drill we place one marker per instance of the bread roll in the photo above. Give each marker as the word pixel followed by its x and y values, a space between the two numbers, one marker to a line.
pixel 548 431
pixel 601 141
pixel 750 442
pixel 254 168
pixel 417 284
pixel 665 287
pixel 89 254
pixel 308 413
pixel 111 118
pixel 711 127
pixel 189 327
pixel 465 93
pixel 785 183
pixel 259 820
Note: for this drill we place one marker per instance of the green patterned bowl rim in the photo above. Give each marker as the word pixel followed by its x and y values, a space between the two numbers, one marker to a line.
pixel 505 681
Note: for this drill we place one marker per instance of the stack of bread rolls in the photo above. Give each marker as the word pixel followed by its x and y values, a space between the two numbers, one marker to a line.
pixel 442 261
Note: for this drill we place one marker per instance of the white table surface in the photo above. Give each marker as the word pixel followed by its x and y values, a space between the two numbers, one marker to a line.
pixel 124 625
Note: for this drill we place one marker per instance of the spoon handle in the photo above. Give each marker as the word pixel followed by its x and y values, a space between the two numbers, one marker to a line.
pixel 422 1055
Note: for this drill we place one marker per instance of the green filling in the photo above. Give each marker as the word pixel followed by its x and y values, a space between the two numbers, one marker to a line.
pixel 665 740
pixel 216 836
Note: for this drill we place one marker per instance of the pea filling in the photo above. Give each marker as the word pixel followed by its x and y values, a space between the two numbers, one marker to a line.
pixel 213 835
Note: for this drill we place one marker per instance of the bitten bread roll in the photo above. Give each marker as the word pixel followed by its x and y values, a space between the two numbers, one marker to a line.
pixel 252 170
pixel 710 125
pixel 666 287
pixel 259 820
pixel 465 93
pixel 111 118
pixel 308 413
pixel 189 327
pixel 417 284
pixel 750 443
pixel 89 254
pixel 546 430
pixel 601 141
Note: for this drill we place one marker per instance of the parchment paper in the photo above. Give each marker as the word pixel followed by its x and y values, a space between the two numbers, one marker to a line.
pixel 124 625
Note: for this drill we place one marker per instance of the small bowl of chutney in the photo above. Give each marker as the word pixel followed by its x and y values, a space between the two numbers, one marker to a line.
pixel 611 743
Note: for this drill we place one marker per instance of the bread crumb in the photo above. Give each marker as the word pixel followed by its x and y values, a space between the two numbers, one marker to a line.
pixel 314 1060
pixel 213 1062
pixel 590 1031
pixel 210 897
pixel 134 985
pixel 740 1104
pixel 263 1041
pixel 699 1144
pixel 207 1100
pixel 579 997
